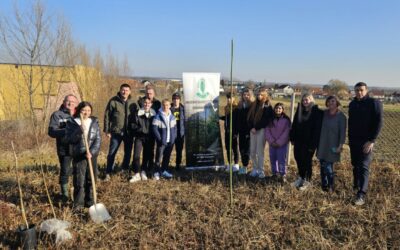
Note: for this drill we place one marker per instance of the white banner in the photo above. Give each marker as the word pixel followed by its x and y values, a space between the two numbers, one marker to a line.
pixel 202 134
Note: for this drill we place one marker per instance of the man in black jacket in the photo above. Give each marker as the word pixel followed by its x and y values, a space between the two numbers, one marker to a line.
pixel 178 110
pixel 151 94
pixel 365 123
pixel 57 125
pixel 116 116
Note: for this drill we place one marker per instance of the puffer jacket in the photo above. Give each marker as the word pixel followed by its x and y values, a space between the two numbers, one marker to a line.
pixel 74 136
pixel 159 128
pixel 140 125
pixel 117 114
pixel 57 125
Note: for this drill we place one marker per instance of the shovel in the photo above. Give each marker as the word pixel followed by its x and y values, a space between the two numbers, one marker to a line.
pixel 98 211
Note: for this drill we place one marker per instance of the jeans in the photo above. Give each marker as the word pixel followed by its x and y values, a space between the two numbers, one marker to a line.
pixel 327 174
pixel 178 148
pixel 163 154
pixel 115 142
pixel 65 168
pixel 147 145
pixel 257 145
pixel 83 195
pixel 360 162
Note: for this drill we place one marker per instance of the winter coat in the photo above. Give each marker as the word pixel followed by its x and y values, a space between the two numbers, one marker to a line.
pixel 140 124
pixel 159 128
pixel 57 125
pixel 227 120
pixel 266 117
pixel 306 133
pixel 117 114
pixel 278 131
pixel 155 105
pixel 365 119
pixel 242 124
pixel 181 121
pixel 333 133
pixel 74 136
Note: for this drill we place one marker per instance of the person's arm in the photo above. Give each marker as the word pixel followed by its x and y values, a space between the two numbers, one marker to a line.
pixel 95 147
pixel 342 132
pixel 54 130
pixel 73 133
pixel 156 123
pixel 316 130
pixel 107 116
pixel 292 133
pixel 377 121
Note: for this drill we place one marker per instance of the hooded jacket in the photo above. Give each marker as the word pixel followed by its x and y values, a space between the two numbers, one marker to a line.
pixel 74 136
pixel 117 114
pixel 140 124
pixel 278 131
pixel 57 125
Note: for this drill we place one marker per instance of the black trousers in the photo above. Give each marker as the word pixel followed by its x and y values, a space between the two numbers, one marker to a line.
pixel 244 147
pixel 65 168
pixel 303 158
pixel 235 149
pixel 83 195
pixel 178 149
pixel 360 162
pixel 163 155
pixel 147 145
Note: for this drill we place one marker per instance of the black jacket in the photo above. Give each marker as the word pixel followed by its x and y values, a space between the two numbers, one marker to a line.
pixel 57 124
pixel 117 114
pixel 307 132
pixel 181 122
pixel 227 120
pixel 266 118
pixel 74 136
pixel 365 119
pixel 140 125
pixel 156 104
pixel 242 124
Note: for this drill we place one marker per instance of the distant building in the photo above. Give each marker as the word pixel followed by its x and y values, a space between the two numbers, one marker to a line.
pixel 377 94
pixel 283 90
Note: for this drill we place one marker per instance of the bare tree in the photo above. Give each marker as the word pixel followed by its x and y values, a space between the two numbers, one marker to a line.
pixel 338 88
pixel 36 42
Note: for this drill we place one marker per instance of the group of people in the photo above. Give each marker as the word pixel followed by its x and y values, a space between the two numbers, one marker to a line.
pixel 149 125
pixel 313 130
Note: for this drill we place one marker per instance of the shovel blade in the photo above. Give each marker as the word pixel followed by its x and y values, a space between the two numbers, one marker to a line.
pixel 99 213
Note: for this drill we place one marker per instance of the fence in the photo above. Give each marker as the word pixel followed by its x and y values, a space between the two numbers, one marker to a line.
pixel 387 146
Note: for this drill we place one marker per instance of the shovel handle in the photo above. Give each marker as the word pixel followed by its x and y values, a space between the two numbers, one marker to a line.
pixel 90 164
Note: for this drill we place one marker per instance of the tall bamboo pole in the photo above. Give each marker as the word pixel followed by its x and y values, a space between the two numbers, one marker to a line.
pixel 230 133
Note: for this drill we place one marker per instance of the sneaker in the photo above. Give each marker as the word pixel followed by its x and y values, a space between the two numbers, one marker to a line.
pixel 242 170
pixel 143 176
pixel 135 178
pixel 283 179
pixel 253 173
pixel 235 168
pixel 156 176
pixel 261 175
pixel 359 201
pixel 166 174
pixel 108 177
pixel 306 184
pixel 297 183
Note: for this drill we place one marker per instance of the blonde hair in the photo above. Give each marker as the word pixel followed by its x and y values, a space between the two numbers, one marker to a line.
pixel 228 106
pixel 302 117
pixel 256 108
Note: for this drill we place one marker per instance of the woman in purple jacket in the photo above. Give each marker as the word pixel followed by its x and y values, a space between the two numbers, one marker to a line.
pixel 277 135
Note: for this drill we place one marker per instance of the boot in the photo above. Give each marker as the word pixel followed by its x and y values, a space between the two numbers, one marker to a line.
pixel 64 192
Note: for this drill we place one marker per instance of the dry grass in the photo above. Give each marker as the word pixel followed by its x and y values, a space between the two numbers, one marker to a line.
pixel 192 211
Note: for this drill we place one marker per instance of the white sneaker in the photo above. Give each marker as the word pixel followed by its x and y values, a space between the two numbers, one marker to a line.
pixel 297 183
pixel 306 184
pixel 235 168
pixel 261 175
pixel 108 177
pixel 143 176
pixel 156 176
pixel 166 174
pixel 254 173
pixel 135 178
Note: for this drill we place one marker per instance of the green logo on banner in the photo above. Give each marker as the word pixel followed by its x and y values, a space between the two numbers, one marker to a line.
pixel 201 92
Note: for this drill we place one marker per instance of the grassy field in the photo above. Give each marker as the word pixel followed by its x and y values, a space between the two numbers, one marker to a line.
pixel 192 210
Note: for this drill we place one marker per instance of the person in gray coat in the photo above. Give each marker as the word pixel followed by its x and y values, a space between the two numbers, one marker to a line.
pixel 332 138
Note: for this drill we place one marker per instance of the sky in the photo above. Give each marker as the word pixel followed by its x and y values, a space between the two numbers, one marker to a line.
pixel 306 41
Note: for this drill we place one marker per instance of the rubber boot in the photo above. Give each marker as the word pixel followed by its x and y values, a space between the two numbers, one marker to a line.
pixel 64 192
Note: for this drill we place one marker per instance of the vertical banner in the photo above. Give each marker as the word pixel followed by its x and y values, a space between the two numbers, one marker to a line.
pixel 202 135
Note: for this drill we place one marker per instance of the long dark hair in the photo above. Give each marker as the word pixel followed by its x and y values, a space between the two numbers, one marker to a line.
pixel 81 106
pixel 257 107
